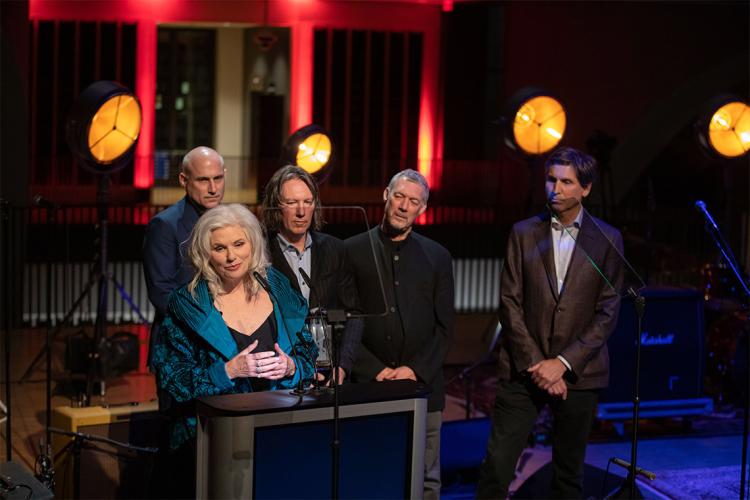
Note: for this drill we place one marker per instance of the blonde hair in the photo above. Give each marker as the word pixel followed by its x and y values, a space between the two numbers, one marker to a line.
pixel 233 214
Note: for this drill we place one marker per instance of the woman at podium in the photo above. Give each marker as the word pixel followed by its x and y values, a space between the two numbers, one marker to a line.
pixel 232 329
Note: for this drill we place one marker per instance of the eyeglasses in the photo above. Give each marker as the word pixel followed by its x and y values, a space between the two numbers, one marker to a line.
pixel 297 203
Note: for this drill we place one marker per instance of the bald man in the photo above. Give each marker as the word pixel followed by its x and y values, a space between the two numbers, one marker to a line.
pixel 165 263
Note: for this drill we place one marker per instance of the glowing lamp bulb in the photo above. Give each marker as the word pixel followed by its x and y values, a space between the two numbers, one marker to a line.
pixel 314 152
pixel 729 129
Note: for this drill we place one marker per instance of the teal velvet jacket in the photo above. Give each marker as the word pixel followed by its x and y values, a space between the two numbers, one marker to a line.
pixel 195 343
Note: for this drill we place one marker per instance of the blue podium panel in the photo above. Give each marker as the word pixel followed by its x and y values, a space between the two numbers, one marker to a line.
pixel 375 458
pixel 276 444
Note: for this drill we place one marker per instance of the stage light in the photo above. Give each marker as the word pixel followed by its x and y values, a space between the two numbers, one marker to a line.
pixel 725 128
pixel 535 121
pixel 103 126
pixel 102 132
pixel 310 148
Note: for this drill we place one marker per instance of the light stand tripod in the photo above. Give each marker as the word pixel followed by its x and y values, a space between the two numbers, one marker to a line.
pixel 102 131
pixel 103 277
pixel 100 276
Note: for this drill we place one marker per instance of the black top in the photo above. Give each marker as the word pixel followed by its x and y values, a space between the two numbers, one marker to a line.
pixel 394 323
pixel 266 335
pixel 418 277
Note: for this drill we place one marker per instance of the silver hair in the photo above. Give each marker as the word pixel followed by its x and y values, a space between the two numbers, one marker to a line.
pixel 233 214
pixel 411 176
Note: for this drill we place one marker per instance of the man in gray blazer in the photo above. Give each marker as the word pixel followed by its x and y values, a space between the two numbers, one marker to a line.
pixel 559 304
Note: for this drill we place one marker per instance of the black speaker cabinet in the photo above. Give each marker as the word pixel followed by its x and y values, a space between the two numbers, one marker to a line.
pixel 18 483
pixel 105 470
pixel 672 348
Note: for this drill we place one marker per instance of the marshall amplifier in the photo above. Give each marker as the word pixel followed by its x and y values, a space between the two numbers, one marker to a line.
pixel 672 356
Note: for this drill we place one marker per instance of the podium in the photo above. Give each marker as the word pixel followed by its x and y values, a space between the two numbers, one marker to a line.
pixel 276 444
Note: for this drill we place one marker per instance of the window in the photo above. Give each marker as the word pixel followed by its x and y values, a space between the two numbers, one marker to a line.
pixel 184 89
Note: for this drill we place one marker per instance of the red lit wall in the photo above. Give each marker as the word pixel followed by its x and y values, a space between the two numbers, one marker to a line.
pixel 301 16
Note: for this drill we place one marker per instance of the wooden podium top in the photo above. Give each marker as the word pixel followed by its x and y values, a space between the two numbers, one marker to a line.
pixel 277 401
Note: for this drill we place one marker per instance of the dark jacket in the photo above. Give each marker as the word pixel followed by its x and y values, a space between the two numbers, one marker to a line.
pixel 165 263
pixel 538 323
pixel 332 285
pixel 422 294
pixel 195 343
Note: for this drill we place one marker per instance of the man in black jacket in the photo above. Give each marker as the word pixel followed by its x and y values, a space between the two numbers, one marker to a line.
pixel 411 341
pixel 292 216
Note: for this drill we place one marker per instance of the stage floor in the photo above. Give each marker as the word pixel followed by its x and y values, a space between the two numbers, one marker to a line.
pixel 695 457
pixel 697 460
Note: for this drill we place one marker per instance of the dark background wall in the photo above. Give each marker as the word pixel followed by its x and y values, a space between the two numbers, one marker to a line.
pixel 609 62
pixel 640 73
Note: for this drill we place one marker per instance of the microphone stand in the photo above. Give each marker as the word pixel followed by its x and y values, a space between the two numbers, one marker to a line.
pixel 6 322
pixel 337 319
pixel 726 252
pixel 629 488
pixel 80 441
pixel 640 307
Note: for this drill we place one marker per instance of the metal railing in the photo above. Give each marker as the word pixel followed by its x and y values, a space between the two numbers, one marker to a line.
pixel 47 255
pixel 50 254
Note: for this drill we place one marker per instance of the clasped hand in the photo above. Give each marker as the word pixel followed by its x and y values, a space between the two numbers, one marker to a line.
pixel 399 373
pixel 265 364
pixel 547 375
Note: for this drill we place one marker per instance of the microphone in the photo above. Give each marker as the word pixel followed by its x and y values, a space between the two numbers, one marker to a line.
pixel 308 281
pixel 701 207
pixel 263 283
pixel 315 329
pixel 267 287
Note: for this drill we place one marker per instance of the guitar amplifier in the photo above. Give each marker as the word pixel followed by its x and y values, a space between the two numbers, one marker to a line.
pixel 94 467
pixel 672 348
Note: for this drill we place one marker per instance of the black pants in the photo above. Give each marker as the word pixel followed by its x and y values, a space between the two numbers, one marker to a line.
pixel 517 405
